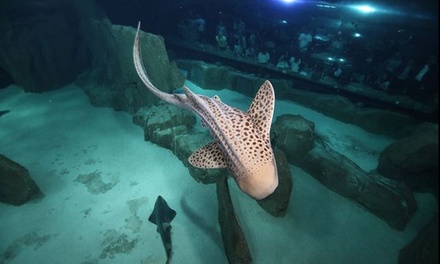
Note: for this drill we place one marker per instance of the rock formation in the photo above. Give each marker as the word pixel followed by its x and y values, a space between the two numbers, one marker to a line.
pixel 16 184
pixel 423 249
pixel 111 80
pixel 414 159
pixel 41 47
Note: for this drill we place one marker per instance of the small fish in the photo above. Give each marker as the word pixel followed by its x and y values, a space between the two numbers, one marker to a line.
pixel 241 139
pixel 4 112
pixel 162 216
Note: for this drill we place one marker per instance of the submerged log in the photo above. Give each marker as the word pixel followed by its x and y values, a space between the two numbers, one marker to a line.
pixel 390 200
pixel 234 240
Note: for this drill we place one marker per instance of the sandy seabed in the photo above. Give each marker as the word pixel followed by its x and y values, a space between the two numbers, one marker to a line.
pixel 100 179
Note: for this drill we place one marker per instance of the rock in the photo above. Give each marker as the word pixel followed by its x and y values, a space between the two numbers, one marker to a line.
pixel 112 80
pixel 294 135
pixel 282 87
pixel 163 115
pixel 185 145
pixel 16 184
pixel 213 76
pixel 234 240
pixel 243 83
pixel 384 122
pixel 413 160
pixel 162 122
pixel 205 75
pixel 170 127
pixel 5 78
pixel 390 200
pixel 338 107
pixel 335 106
pixel 165 137
pixel 277 203
pixel 373 120
pixel 41 47
pixel 424 248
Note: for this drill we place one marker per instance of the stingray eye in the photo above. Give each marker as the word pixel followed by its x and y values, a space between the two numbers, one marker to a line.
pixel 216 97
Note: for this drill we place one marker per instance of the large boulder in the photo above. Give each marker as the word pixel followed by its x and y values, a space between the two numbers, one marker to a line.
pixel 112 80
pixel 162 122
pixel 384 122
pixel 294 135
pixel 205 75
pixel 413 160
pixel 183 146
pixel 338 107
pixel 5 78
pixel 16 184
pixel 41 47
pixel 423 249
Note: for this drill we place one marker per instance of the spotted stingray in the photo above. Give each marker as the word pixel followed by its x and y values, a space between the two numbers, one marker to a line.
pixel 241 139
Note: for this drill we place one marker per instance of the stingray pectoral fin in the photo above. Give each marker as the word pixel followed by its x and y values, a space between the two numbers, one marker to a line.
pixel 152 218
pixel 208 157
pixel 170 214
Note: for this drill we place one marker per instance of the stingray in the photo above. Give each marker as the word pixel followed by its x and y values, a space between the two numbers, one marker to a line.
pixel 162 216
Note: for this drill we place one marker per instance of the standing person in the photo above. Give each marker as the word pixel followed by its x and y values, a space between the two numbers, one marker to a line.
pixel 424 84
pixel 401 83
pixel 200 25
pixel 304 40
pixel 222 41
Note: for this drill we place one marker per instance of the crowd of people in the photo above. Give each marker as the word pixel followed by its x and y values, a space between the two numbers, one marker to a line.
pixel 317 53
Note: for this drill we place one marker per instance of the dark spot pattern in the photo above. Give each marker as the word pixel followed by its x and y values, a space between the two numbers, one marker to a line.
pixel 241 139
pixel 262 107
pixel 209 156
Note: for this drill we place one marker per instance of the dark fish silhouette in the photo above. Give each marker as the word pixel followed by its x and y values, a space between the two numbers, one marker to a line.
pixel 162 216
pixel 4 112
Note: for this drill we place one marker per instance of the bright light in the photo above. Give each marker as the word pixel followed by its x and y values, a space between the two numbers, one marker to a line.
pixel 326 6
pixel 357 35
pixel 364 9
pixel 288 1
